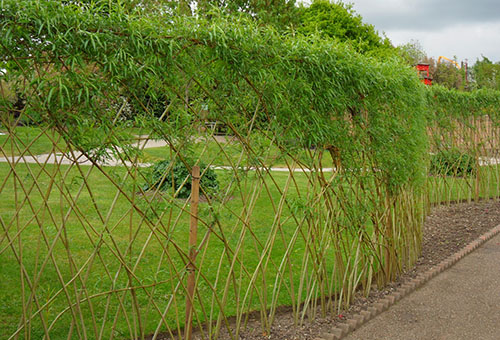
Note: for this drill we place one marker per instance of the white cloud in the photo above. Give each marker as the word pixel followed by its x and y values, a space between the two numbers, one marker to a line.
pixel 463 41
pixel 427 14
pixel 463 28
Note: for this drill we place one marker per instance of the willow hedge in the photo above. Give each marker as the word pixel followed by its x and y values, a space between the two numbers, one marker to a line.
pixel 341 212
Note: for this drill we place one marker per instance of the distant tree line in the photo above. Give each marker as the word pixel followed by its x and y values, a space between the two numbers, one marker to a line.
pixel 483 74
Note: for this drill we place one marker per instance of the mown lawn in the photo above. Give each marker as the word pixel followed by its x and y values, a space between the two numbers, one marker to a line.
pixel 27 140
pixel 95 234
pixel 106 220
pixel 231 153
pixel 33 140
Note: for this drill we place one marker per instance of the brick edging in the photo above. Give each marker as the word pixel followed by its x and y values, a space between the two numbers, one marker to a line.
pixel 405 289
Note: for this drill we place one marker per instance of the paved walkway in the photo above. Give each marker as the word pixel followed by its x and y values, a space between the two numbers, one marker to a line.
pixel 461 303
pixel 143 142
pixel 78 157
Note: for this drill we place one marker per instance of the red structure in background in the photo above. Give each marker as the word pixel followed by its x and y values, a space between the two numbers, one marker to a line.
pixel 423 73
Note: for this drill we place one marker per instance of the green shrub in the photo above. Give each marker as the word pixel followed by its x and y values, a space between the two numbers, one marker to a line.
pixel 452 162
pixel 163 172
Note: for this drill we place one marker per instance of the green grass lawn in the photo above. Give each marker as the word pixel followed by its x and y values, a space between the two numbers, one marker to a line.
pixel 27 140
pixel 114 229
pixel 233 153
pixel 31 140
pixel 111 230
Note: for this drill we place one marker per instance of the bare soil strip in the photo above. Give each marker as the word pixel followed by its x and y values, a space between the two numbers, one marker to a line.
pixel 447 230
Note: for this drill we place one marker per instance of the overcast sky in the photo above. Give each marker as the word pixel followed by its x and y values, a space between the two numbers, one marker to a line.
pixel 466 29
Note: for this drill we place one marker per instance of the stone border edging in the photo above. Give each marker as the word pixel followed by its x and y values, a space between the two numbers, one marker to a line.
pixel 405 289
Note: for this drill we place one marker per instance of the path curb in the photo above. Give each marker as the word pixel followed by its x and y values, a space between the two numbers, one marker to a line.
pixel 405 289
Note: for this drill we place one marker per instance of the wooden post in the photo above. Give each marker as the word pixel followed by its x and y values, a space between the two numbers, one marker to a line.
pixel 477 155
pixel 193 234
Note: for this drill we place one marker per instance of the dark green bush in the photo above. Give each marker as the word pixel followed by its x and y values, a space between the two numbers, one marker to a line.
pixel 162 174
pixel 452 162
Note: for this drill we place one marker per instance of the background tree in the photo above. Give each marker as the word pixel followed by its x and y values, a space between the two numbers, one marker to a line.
pixel 282 14
pixel 486 74
pixel 412 52
pixel 448 75
pixel 443 73
pixel 340 21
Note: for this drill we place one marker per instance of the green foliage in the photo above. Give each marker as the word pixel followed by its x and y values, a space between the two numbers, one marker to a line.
pixel 486 74
pixel 448 75
pixel 306 89
pixel 452 162
pixel 281 14
pixel 276 93
pixel 444 73
pixel 175 178
pixel 412 52
pixel 340 21
pixel 446 104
